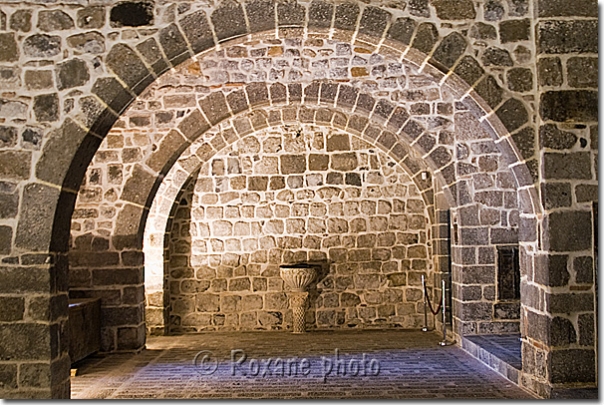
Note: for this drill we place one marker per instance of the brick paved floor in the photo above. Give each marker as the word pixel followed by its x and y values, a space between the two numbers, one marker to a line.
pixel 364 364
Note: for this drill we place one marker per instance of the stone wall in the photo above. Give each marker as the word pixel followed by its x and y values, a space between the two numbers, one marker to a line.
pixel 70 71
pixel 290 195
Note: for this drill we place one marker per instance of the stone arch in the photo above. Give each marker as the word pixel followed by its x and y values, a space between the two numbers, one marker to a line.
pixel 189 163
pixel 133 73
pixel 133 216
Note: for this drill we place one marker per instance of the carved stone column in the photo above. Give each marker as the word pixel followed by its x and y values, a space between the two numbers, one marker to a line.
pixel 298 277
pixel 297 302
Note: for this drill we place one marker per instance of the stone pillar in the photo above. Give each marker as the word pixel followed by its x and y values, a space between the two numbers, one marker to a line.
pixel 559 294
pixel 297 302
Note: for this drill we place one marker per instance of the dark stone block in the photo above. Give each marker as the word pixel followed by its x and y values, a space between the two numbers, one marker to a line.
pixel 569 231
pixel 15 164
pixel 567 8
pixel 538 326
pixel 556 195
pixel 584 270
pixel 24 341
pixel 513 114
pixel 130 338
pixel 567 303
pixel 490 91
pixel 520 79
pixel 238 102
pixel 328 92
pixel 474 236
pixel 450 50
pixel 89 42
pixel 569 106
pixel 151 52
pixel 228 20
pixel 11 309
pixel 562 332
pixel 402 29
pixel 290 13
pixel 15 280
pixel 278 94
pixel 413 129
pixel 261 15
pixel 353 179
pixel 311 93
pixel 112 93
pixel 357 124
pixel 382 111
pixel 387 140
pixel 193 125
pixel 474 311
pixel 215 108
pixel 426 37
pixel 54 20
pixel 346 17
pixel 365 103
pixel 374 21
pixel 20 20
pixel 257 94
pixel 131 14
pixel 586 329
pixel 567 166
pixel 469 70
pixel 113 276
pixel 493 10
pixel 551 137
pixel 347 96
pixel 173 44
pixel 320 14
pixel 504 236
pixel 37 214
pixel 91 17
pixel 419 8
pixel 197 30
pixel 586 193
pixel 507 310
pixel 571 365
pixel 126 64
pixel 549 71
pixel 72 73
pixel 454 9
pixel 9 205
pixel 518 8
pixel 525 142
pixel 483 31
pixel 36 46
pixel 34 375
pixel 398 118
pixel 515 30
pixel 292 164
pixel 118 316
pixel 496 57
pixel 582 72
pixel 567 36
pixel 294 92
pixel 138 186
pixel 46 107
pixel 59 151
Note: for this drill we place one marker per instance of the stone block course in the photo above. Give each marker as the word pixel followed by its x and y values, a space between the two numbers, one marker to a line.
pixel 60 69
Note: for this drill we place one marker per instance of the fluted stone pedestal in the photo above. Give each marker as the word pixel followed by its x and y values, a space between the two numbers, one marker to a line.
pixel 298 277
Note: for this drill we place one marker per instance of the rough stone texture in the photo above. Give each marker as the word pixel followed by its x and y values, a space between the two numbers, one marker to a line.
pixel 53 118
pixel 219 251
pixel 567 36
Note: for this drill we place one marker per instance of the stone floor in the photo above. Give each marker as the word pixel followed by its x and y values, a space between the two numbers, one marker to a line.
pixel 321 364
pixel 508 347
